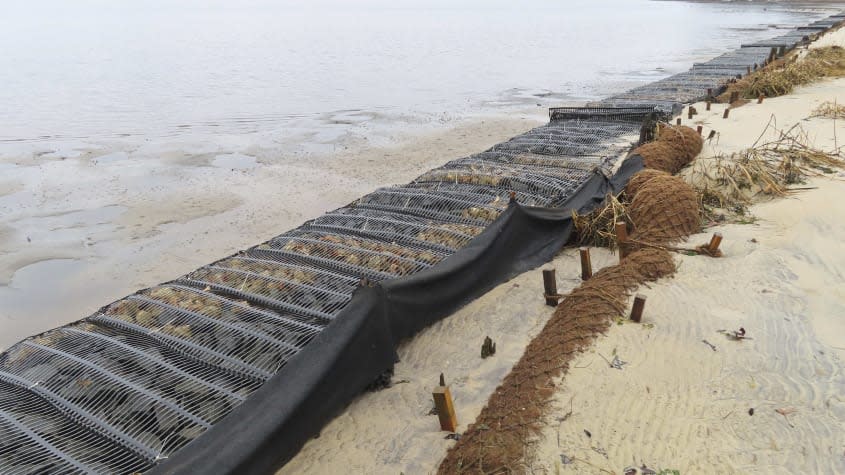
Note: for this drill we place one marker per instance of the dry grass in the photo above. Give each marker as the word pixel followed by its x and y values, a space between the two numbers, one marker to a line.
pixel 783 75
pixel 728 184
pixel 599 227
pixel 829 110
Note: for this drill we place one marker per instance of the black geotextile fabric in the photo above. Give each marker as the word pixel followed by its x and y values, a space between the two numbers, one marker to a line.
pixel 271 426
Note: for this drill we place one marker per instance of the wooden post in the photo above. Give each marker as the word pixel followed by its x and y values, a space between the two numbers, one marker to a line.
pixel 699 129
pixel 586 264
pixel 748 69
pixel 550 287
pixel 708 105
pixel 727 111
pixel 637 309
pixel 690 112
pixel 445 408
pixel 714 242
pixel 760 99
pixel 622 239
pixel 678 122
pixel 709 93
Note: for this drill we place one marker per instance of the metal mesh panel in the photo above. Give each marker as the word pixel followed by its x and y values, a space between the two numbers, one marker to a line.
pixel 495 196
pixel 352 254
pixel 106 399
pixel 398 228
pixel 226 334
pixel 37 438
pixel 245 280
pixel 469 209
pixel 583 162
pixel 633 114
pixel 569 137
pixel 507 178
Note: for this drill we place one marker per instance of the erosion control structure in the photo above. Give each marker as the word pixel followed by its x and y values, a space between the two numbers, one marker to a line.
pixel 232 367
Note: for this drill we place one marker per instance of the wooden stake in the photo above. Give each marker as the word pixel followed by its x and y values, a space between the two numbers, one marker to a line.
pixel 678 122
pixel 714 242
pixel 586 264
pixel 727 111
pixel 637 309
pixel 699 129
pixel 760 99
pixel 442 380
pixel 550 287
pixel 748 70
pixel 445 408
pixel 708 105
pixel 622 238
pixel 709 94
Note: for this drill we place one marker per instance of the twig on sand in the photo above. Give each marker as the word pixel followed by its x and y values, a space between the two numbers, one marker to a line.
pixel 711 345
pixel 785 411
pixel 563 419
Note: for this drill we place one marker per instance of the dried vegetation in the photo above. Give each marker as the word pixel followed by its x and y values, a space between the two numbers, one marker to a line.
pixel 783 75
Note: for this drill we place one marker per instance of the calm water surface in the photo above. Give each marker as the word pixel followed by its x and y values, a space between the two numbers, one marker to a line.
pixel 86 71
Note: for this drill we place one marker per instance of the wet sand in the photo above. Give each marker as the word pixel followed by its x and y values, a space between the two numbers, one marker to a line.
pixel 77 232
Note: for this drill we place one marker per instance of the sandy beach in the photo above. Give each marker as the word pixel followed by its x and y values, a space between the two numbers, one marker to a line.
pixel 688 398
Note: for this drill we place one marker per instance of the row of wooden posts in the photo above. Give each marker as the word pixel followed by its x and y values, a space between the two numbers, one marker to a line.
pixel 734 97
pixel 443 402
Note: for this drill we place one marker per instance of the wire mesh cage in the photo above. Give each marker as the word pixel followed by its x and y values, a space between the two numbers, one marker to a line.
pixel 220 335
pixel 633 114
pixel 582 162
pixel 569 137
pixel 466 209
pixel 112 404
pixel 544 186
pixel 496 197
pixel 376 259
pixel 36 438
pixel 249 279
pixel 398 228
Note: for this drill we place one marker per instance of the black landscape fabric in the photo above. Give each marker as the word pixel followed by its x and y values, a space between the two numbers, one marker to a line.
pixel 270 427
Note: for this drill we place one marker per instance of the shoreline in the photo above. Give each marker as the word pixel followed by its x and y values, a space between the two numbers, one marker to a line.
pixel 91 245
pixel 689 413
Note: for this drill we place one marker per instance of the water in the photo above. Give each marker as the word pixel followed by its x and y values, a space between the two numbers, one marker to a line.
pixel 117 75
